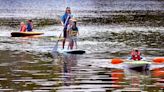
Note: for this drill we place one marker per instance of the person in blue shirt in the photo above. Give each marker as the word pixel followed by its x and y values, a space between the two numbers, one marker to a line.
pixel 29 26
pixel 65 21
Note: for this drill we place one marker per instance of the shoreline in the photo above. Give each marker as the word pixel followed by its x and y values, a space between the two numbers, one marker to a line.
pixel 133 18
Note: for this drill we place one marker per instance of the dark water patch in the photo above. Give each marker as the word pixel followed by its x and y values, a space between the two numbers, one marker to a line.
pixel 15 22
pixel 133 18
pixel 148 39
pixel 133 12
pixel 20 74
pixel 144 18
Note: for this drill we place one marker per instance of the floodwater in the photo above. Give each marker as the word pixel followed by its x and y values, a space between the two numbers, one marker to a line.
pixel 27 64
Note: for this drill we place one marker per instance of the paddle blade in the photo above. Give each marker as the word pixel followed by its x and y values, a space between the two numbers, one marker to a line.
pixel 158 60
pixel 117 74
pixel 116 61
pixel 158 72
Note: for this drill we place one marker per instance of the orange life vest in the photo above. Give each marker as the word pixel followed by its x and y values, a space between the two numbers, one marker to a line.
pixel 23 28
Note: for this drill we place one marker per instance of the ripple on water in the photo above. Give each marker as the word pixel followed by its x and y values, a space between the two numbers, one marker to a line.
pixel 26 64
pixel 76 73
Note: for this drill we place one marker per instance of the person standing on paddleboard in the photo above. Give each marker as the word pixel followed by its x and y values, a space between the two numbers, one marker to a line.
pixel 29 26
pixel 65 21
pixel 72 33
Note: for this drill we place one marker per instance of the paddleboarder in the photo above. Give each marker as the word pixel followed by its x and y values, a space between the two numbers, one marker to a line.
pixel 65 21
pixel 72 33
pixel 29 26
pixel 22 27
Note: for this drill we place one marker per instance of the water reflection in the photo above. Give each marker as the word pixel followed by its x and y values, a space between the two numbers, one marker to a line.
pixel 27 65
pixel 25 71
pixel 117 75
pixel 158 72
pixel 69 62
pixel 139 81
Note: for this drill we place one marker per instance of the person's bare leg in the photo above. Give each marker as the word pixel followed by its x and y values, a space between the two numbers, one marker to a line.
pixel 69 44
pixel 76 44
pixel 64 43
pixel 72 44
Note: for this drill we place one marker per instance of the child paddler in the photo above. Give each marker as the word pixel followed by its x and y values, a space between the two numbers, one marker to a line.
pixel 22 27
pixel 29 26
pixel 72 33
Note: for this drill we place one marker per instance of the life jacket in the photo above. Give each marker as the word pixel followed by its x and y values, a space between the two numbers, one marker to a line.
pixel 136 55
pixel 74 31
pixel 23 28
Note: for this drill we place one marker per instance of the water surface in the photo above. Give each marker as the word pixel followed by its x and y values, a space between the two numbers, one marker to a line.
pixel 108 29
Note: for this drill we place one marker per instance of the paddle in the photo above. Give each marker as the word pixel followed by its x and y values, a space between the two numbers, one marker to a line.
pixel 117 61
pixel 155 60
pixel 56 46
pixel 158 60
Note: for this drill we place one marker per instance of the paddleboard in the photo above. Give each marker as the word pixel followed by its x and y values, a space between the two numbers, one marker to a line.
pixel 23 34
pixel 69 51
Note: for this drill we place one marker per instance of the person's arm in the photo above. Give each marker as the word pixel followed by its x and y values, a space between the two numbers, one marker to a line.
pixel 69 29
pixel 32 26
pixel 20 29
pixel 62 20
pixel 62 23
pixel 131 54
pixel 78 31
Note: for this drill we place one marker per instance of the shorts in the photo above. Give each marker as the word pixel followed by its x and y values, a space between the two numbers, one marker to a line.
pixel 73 38
pixel 65 32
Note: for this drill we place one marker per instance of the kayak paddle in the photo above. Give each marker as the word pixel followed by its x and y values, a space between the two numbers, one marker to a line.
pixel 56 46
pixel 158 60
pixel 117 61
